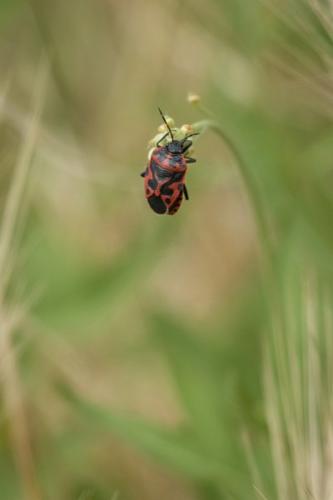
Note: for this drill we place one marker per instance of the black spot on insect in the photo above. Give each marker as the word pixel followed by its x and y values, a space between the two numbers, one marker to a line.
pixel 157 204
pixel 176 204
pixel 161 172
pixel 166 190
pixel 177 176
pixel 152 183
pixel 167 200
pixel 147 191
pixel 157 169
pixel 174 160
pixel 160 155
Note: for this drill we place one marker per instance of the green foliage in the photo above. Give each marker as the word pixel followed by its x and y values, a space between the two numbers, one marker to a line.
pixel 201 341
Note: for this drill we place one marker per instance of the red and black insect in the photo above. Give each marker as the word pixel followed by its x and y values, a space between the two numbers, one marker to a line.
pixel 164 177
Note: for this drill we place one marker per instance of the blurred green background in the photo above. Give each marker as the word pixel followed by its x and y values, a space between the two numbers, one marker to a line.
pixel 185 357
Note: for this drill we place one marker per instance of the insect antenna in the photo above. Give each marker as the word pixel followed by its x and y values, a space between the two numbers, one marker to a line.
pixel 190 135
pixel 166 123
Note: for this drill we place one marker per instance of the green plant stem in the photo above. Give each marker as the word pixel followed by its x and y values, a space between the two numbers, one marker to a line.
pixel 250 183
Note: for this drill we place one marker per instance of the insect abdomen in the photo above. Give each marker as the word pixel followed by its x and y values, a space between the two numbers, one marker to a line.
pixel 176 204
pixel 164 181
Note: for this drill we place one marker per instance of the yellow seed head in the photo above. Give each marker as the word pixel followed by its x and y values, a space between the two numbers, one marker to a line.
pixel 186 129
pixel 193 98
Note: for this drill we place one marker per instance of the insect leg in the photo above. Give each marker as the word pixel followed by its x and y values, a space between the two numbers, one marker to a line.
pixel 186 143
pixel 185 192
pixel 190 160
pixel 143 174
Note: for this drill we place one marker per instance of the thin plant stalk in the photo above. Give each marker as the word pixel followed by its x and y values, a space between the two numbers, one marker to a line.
pixel 12 390
pixel 252 189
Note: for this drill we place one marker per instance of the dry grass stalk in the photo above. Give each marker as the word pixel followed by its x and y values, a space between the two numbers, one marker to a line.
pixel 10 316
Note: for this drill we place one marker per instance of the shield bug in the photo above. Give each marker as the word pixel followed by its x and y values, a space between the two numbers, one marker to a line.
pixel 164 177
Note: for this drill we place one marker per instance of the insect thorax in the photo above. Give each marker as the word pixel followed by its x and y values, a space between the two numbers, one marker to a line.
pixel 175 147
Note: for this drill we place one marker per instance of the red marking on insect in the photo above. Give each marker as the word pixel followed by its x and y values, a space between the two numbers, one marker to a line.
pixel 164 177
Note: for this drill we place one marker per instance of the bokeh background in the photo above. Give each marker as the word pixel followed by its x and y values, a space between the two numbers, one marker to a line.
pixel 185 357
